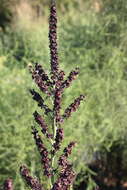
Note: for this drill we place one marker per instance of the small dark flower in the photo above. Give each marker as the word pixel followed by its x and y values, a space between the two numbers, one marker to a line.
pixel 41 122
pixel 63 162
pixel 61 75
pixel 33 183
pixel 68 149
pixel 72 76
pixel 67 175
pixel 8 185
pixel 41 79
pixel 58 93
pixel 63 158
pixel 57 97
pixel 43 152
pixel 57 105
pixel 58 139
pixel 42 74
pixel 43 87
pixel 65 179
pixel 39 99
pixel 73 107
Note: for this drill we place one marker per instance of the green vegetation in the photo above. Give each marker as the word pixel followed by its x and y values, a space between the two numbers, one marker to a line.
pixel 92 37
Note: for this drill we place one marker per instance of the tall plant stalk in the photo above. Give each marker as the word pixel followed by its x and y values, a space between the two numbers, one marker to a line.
pixel 59 171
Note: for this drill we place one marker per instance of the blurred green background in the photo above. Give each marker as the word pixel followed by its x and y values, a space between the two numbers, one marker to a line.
pixel 92 34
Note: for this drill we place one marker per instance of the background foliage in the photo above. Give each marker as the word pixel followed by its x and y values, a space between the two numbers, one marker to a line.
pixel 92 35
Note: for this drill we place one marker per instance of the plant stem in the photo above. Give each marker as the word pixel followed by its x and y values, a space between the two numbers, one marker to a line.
pixel 54 129
pixel 53 156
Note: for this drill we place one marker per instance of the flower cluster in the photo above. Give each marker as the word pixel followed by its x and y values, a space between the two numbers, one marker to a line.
pixel 8 185
pixel 73 107
pixel 32 182
pixel 67 174
pixel 43 152
pixel 53 42
pixel 39 99
pixel 41 79
pixel 58 139
pixel 66 178
pixel 57 105
pixel 41 122
pixel 61 76
pixel 67 151
pixel 60 85
pixel 54 88
pixel 71 77
pixel 42 74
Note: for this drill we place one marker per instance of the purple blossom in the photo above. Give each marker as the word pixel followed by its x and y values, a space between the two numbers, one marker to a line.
pixel 53 42
pixel 43 152
pixel 65 179
pixel 8 185
pixel 41 122
pixel 58 139
pixel 67 151
pixel 61 75
pixel 53 87
pixel 41 79
pixel 57 105
pixel 57 98
pixel 33 183
pixel 67 175
pixel 63 162
pixel 43 87
pixel 39 99
pixel 42 74
pixel 72 76
pixel 73 107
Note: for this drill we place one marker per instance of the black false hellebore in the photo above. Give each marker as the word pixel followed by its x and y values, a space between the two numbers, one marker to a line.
pixel 54 88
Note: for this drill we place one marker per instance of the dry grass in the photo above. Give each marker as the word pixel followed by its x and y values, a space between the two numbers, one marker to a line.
pixel 26 17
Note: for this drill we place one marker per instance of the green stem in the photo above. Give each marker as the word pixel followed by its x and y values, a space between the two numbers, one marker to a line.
pixel 53 156
pixel 50 183
pixel 54 129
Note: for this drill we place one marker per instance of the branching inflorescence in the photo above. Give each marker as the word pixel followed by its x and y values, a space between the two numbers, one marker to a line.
pixel 53 87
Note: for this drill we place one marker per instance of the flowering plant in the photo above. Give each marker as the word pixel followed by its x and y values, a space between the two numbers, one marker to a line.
pixel 60 175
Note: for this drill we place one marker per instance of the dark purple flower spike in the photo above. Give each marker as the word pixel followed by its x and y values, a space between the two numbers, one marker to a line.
pixel 45 160
pixel 65 180
pixel 58 139
pixel 40 101
pixel 67 175
pixel 53 87
pixel 53 42
pixel 41 79
pixel 73 107
pixel 33 183
pixel 44 128
pixel 72 76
